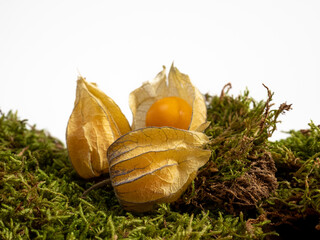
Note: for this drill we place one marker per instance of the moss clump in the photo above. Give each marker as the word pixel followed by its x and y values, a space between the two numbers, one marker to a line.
pixel 250 189
pixel 241 171
pixel 40 198
pixel 296 202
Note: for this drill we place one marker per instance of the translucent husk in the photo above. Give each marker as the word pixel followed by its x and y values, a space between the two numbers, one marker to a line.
pixel 95 123
pixel 148 165
pixel 177 84
pixel 155 165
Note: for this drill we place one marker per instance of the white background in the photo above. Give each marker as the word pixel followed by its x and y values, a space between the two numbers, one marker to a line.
pixel 44 45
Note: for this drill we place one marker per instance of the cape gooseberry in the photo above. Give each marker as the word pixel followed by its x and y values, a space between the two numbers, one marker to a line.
pixel 170 112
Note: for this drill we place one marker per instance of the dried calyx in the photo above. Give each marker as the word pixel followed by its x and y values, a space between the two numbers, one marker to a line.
pixel 147 164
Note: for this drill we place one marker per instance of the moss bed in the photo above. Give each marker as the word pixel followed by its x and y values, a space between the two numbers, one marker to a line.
pixel 251 188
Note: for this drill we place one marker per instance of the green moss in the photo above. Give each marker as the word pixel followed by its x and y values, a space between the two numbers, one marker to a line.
pixel 298 161
pixel 40 197
pixel 250 188
pixel 241 171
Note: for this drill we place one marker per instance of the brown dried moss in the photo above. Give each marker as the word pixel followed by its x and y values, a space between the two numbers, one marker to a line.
pixel 241 171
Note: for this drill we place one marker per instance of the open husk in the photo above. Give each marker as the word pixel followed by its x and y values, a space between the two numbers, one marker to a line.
pixel 177 84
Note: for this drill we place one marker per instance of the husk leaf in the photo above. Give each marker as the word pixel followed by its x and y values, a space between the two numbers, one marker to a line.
pixel 155 165
pixel 95 123
pixel 177 84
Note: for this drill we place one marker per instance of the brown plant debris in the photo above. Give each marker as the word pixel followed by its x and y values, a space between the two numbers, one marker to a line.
pixel 241 171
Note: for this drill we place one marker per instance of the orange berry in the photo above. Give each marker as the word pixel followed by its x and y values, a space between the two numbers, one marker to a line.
pixel 170 112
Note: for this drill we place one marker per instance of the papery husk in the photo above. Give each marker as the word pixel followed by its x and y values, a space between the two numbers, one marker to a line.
pixel 95 123
pixel 177 84
pixel 155 165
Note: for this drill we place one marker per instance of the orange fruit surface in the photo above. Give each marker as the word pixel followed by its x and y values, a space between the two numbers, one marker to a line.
pixel 170 112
